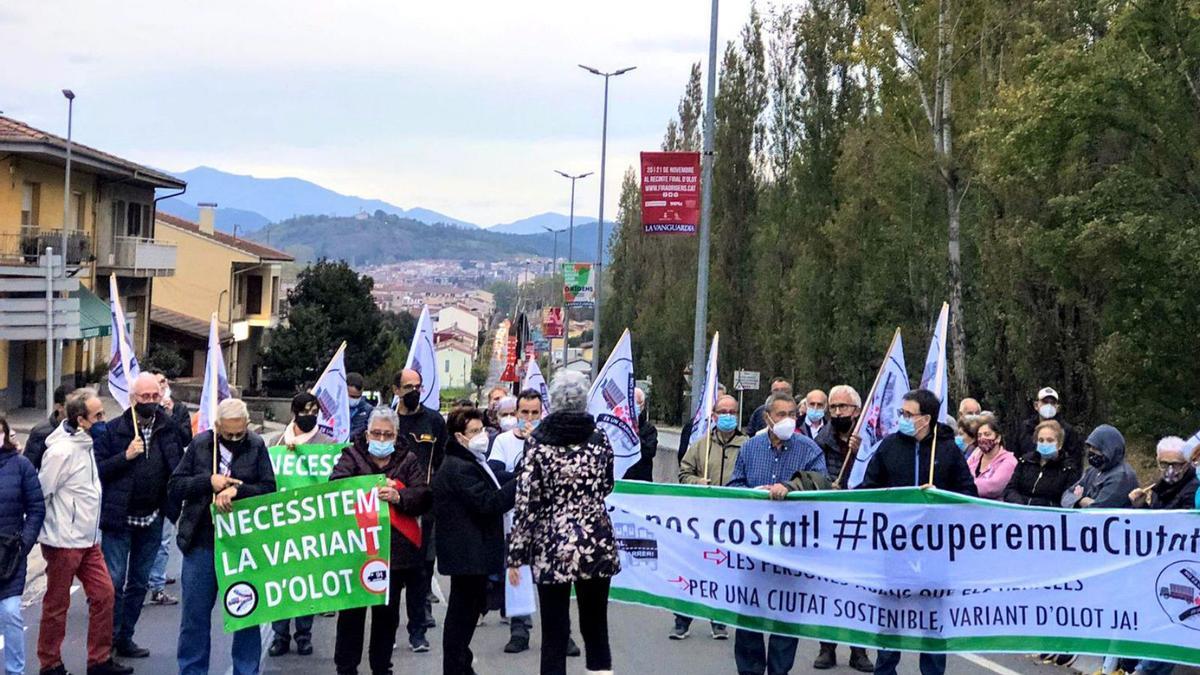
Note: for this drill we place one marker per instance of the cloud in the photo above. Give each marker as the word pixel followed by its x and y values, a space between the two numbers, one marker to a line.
pixel 461 107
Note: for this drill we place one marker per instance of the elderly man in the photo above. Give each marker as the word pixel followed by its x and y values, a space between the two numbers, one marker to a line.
pixel 767 462
pixel 643 470
pixel 425 429
pixel 757 421
pixel 969 406
pixel 70 538
pixel 709 461
pixel 135 458
pixel 815 404
pixel 242 469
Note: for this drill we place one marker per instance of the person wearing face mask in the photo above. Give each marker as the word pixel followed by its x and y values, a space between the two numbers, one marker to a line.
pixel 766 462
pixel 1176 487
pixel 902 460
pixel 379 450
pixel 506 418
pixel 135 465
pixel 360 408
pixel 1108 479
pixel 469 501
pixel 22 512
pixel 70 539
pixel 1044 474
pixel 758 419
pixel 814 410
pixel 839 444
pixel 643 469
pixel 1047 407
pixel 709 461
pixel 425 429
pixel 302 430
pixel 990 463
pixel 183 423
pixel 221 465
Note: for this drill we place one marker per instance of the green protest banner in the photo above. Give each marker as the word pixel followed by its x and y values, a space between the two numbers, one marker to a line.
pixel 304 465
pixel 314 549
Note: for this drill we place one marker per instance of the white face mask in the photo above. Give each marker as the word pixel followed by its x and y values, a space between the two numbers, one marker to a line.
pixel 478 444
pixel 784 428
pixel 508 422
pixel 1048 410
pixel 3 438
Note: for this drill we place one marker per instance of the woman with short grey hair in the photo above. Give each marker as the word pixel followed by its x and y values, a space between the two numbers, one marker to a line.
pixel 561 528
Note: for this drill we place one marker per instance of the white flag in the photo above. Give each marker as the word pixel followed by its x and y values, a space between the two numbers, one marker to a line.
pixel 879 416
pixel 334 417
pixel 708 396
pixel 535 381
pixel 216 382
pixel 1191 444
pixel 122 364
pixel 422 357
pixel 610 402
pixel 934 377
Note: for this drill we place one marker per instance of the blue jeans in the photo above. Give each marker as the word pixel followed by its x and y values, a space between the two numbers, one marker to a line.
pixel 199 582
pixel 1155 667
pixel 12 627
pixel 158 573
pixel 753 658
pixel 931 664
pixel 129 556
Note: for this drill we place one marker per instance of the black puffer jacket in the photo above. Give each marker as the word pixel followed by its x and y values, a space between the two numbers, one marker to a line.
pixel 190 489
pixel 648 435
pixel 22 511
pixel 415 497
pixel 35 445
pixel 1037 484
pixel 147 475
pixel 470 509
pixel 899 462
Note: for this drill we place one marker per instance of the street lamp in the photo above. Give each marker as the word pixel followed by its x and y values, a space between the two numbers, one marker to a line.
pixel 70 96
pixel 600 233
pixel 553 265
pixel 571 222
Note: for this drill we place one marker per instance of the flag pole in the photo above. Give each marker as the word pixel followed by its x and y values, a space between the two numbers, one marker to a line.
pixel 837 484
pixel 707 452
pixel 932 453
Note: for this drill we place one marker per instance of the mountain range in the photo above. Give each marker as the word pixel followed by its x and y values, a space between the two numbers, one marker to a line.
pixel 250 203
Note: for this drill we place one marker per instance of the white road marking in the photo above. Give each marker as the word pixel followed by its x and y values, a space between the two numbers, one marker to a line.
pixel 989 664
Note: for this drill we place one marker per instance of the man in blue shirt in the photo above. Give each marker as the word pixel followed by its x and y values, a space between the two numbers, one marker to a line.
pixel 767 462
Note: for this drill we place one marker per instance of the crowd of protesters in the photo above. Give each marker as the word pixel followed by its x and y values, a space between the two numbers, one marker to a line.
pixel 508 493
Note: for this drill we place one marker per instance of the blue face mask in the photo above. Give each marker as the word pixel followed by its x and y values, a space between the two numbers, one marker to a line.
pixel 380 448
pixel 815 415
pixel 960 442
pixel 726 422
pixel 1047 449
pixel 907 427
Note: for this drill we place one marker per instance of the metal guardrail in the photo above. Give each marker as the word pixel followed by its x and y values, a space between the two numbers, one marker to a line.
pixel 23 247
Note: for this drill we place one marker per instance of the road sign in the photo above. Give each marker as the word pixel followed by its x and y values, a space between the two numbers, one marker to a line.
pixel 745 380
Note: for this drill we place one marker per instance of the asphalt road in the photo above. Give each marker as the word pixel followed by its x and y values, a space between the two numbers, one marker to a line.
pixel 638 636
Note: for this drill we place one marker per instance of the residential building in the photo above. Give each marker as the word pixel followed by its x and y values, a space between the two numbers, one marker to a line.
pixel 454 364
pixel 455 317
pixel 109 220
pixel 236 278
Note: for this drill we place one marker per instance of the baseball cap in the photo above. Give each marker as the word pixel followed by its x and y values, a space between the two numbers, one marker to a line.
pixel 1047 392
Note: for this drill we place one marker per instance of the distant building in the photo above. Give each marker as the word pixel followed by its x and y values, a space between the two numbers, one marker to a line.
pixel 455 317
pixel 454 364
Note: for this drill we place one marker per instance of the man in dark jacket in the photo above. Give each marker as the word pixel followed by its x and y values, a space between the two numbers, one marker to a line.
pixel 379 450
pixel 643 469
pixel 135 464
pixel 178 412
pixel 1047 407
pixel 360 408
pixel 242 469
pixel 1176 489
pixel 470 503
pixel 425 431
pixel 22 510
pixel 35 445
pixel 902 460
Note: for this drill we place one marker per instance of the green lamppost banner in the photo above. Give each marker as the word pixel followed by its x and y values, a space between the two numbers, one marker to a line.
pixel 314 549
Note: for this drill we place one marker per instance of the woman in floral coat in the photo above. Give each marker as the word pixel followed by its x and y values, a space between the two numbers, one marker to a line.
pixel 561 527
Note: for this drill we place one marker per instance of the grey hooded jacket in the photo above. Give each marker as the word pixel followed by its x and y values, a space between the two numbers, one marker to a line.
pixel 1110 485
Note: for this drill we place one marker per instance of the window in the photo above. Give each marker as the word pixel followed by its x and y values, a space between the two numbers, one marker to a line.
pixel 31 199
pixel 447 365
pixel 133 220
pixel 254 293
pixel 77 213
pixel 118 216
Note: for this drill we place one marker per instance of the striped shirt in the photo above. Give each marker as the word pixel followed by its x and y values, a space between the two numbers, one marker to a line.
pixel 760 464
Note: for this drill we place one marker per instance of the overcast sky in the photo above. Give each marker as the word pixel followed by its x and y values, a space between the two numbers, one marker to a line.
pixel 461 107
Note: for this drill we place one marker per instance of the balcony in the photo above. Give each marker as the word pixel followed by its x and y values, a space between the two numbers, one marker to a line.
pixel 23 248
pixel 136 257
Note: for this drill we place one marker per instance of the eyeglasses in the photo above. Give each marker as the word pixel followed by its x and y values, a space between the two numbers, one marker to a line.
pixel 842 407
pixel 1172 465
pixel 381 435
pixel 905 415
pixel 150 397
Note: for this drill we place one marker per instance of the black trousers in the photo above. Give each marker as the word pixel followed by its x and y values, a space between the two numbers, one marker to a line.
pixel 348 645
pixel 591 596
pixel 467 602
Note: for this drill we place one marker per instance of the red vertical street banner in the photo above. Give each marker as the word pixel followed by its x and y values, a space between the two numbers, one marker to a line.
pixel 511 352
pixel 670 192
pixel 552 323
